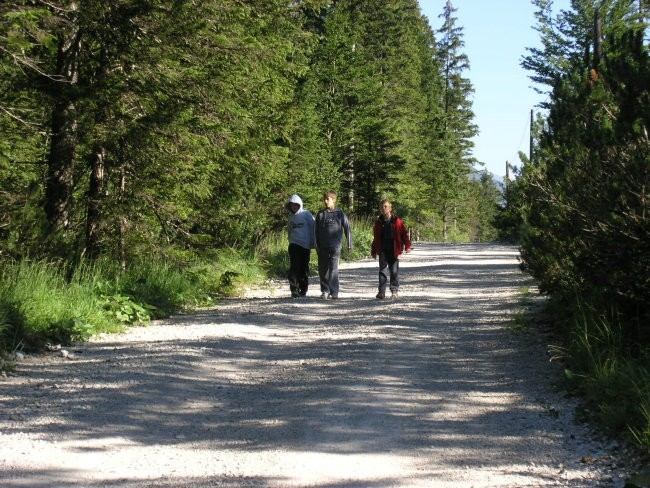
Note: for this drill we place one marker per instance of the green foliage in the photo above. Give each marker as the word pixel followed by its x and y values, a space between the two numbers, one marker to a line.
pixel 45 302
pixel 361 238
pixel 234 269
pixel 123 309
pixel 7 343
pixel 583 199
pixel 40 305
pixel 579 208
pixel 159 284
pixel 614 379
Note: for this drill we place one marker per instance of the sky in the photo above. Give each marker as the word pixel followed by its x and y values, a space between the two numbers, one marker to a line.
pixel 496 34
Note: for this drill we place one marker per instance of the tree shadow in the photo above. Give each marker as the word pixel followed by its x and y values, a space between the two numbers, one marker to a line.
pixel 435 372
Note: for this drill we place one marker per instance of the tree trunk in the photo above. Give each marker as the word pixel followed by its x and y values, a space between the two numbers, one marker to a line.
pixel 60 176
pixel 95 194
pixel 445 226
pixel 351 178
pixel 122 219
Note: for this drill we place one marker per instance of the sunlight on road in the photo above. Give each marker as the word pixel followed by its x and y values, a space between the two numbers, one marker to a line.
pixel 432 390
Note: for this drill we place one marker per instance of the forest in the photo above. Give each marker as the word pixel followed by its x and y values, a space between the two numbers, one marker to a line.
pixel 179 126
pixel 148 146
pixel 148 142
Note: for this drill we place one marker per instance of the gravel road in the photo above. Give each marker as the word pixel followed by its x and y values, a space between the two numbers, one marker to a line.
pixel 435 389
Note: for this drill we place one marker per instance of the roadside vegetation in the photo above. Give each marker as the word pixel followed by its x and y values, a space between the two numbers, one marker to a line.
pixel 50 302
pixel 579 207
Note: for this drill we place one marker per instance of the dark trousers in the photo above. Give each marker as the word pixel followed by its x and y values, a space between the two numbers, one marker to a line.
pixel 388 272
pixel 328 270
pixel 298 269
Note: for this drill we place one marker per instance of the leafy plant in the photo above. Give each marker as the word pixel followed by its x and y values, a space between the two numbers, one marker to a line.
pixel 126 311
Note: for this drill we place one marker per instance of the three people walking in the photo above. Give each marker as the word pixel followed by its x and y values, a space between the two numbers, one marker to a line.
pixel 326 232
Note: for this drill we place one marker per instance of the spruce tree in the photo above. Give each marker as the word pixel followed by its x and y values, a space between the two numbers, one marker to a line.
pixel 451 163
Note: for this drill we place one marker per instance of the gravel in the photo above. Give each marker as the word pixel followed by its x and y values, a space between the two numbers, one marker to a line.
pixel 435 389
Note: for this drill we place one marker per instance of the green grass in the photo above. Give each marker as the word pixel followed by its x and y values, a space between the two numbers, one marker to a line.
pixel 612 375
pixel 38 304
pixel 522 315
pixel 45 302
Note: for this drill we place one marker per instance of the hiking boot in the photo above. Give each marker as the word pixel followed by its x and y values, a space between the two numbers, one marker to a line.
pixel 380 296
pixel 333 297
pixel 394 295
pixel 324 296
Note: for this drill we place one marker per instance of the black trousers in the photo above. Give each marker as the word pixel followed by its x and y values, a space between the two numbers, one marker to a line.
pixel 298 269
pixel 388 272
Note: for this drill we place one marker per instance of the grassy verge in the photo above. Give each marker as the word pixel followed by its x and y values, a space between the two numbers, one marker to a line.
pixel 45 302
pixel 611 375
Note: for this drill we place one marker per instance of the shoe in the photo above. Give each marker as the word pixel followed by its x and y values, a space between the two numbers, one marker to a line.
pixel 333 297
pixel 324 296
pixel 394 296
pixel 295 295
pixel 380 296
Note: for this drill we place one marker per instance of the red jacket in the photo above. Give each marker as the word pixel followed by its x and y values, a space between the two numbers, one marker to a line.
pixel 401 239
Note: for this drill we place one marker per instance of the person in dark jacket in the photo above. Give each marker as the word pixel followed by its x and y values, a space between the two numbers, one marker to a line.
pixel 331 224
pixel 390 239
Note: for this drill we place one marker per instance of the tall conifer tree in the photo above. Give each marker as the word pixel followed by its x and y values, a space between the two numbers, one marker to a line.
pixel 451 164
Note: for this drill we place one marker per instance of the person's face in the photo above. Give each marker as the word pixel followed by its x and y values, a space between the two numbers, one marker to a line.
pixel 330 202
pixel 295 207
pixel 386 209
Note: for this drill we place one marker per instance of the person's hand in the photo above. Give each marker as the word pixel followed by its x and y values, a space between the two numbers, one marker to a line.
pixel 373 256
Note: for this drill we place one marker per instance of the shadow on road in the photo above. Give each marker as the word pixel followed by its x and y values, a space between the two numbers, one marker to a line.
pixel 436 372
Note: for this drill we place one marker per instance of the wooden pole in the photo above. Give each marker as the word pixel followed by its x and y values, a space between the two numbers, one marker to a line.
pixel 530 138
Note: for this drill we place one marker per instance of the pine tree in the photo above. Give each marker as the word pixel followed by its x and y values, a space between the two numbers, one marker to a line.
pixel 585 229
pixel 450 158
pixel 370 71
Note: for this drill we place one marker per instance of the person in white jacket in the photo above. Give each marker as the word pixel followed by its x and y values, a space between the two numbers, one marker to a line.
pixel 301 241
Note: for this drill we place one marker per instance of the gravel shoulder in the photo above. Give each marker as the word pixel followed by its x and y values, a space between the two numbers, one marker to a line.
pixel 435 389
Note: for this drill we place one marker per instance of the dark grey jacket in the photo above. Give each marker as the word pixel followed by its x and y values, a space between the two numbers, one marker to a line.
pixel 330 227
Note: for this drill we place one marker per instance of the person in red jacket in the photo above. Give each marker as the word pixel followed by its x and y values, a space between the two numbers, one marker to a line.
pixel 390 238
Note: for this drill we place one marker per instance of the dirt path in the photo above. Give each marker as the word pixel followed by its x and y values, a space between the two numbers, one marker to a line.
pixel 433 390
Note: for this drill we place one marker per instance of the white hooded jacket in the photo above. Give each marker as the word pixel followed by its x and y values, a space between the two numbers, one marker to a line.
pixel 300 225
